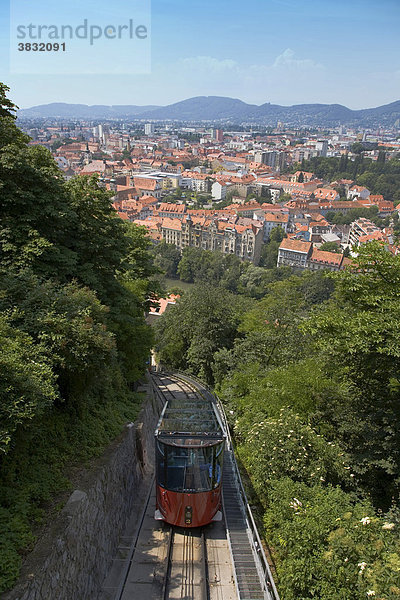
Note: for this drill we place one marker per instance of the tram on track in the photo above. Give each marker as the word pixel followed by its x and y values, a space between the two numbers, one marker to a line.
pixel 190 442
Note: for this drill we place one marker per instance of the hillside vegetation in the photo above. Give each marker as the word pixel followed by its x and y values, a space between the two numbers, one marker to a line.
pixel 308 368
pixel 380 177
pixel 74 283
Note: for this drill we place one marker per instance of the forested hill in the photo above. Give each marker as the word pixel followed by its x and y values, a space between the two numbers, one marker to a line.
pixel 219 108
pixel 308 368
pixel 74 283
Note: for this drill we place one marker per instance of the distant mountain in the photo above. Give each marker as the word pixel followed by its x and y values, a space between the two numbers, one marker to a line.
pixel 216 108
pixel 385 114
pixel 311 113
pixel 221 109
pixel 62 110
pixel 208 108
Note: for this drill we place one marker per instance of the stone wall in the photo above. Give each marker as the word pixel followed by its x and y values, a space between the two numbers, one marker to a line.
pixel 71 559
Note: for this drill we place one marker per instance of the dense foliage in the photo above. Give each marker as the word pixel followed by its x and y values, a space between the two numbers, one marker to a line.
pixel 204 321
pixel 380 177
pixel 310 380
pixel 195 265
pixel 75 281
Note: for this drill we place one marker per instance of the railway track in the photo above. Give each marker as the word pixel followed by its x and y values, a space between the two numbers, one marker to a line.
pixel 187 572
pixel 165 563
pixel 252 572
pixel 187 568
pixel 214 562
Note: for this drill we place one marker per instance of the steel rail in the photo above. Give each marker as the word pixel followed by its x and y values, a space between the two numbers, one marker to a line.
pixel 188 572
pixel 187 585
pixel 165 587
pixel 204 561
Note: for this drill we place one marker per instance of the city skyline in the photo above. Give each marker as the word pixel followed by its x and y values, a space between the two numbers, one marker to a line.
pixel 278 51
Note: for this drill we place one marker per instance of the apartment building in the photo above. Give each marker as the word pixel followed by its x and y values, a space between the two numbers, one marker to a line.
pixel 294 253
pixel 363 229
pixel 243 240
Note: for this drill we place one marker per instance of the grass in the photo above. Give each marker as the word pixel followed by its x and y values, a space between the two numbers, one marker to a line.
pixel 177 283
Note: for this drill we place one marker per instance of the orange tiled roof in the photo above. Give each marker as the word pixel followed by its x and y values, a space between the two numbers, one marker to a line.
pixel 375 235
pixel 276 217
pixel 358 188
pixel 329 258
pixel 172 208
pixel 175 224
pixel 325 194
pixel 147 200
pixel 163 303
pixel 145 183
pixel 295 245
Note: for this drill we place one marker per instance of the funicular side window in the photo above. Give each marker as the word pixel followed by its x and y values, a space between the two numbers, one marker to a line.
pixel 171 466
pixel 160 463
pixel 218 456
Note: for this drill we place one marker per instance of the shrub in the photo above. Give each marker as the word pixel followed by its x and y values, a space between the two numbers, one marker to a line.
pixel 331 546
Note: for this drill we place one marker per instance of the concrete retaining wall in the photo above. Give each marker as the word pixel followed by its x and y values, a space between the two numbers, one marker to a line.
pixel 72 558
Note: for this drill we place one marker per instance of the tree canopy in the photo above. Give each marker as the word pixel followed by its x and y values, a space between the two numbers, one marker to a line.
pixel 308 371
pixel 380 177
pixel 75 282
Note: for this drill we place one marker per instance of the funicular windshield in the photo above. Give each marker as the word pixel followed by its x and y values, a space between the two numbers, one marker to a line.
pixel 189 469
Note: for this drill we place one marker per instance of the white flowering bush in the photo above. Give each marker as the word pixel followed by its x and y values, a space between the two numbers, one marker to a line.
pixel 330 546
pixel 286 446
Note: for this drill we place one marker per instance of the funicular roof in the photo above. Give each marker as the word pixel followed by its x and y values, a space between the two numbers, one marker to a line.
pixel 191 417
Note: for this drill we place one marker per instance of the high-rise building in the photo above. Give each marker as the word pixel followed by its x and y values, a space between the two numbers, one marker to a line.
pixel 98 131
pixel 218 135
pixel 149 128
pixel 322 147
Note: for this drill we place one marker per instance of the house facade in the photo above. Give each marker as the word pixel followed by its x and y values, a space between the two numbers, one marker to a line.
pixel 294 253
pixel 245 241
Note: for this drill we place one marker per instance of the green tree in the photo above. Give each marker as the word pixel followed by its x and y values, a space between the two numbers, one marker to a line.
pixel 188 265
pixel 75 282
pixel 253 281
pixel 330 247
pixel 357 148
pixel 202 322
pixel 7 107
pixel 27 385
pixel 381 157
pixel 35 214
pixel 167 258
pixel 358 334
pixel 266 194
pixel 269 255
pixel 250 197
pixel 284 197
pixel 342 549
pixel 269 252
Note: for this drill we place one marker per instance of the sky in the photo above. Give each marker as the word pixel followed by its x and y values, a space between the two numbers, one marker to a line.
pixel 280 51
